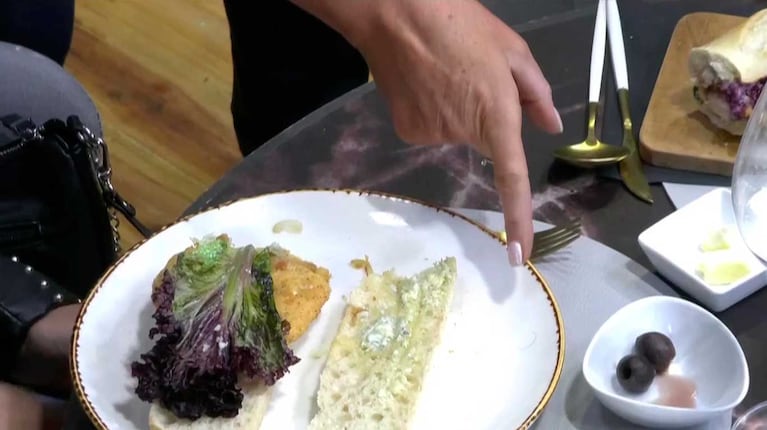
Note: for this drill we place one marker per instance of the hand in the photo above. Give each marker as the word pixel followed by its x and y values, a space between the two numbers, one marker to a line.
pixel 44 357
pixel 454 73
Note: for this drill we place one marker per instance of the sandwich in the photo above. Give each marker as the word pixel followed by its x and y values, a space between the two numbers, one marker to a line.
pixel 225 317
pixel 377 362
pixel 729 73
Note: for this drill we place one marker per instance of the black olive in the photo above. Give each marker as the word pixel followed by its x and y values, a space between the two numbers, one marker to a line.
pixel 657 348
pixel 635 373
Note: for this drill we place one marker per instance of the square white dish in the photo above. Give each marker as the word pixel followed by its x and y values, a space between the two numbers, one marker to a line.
pixel 673 247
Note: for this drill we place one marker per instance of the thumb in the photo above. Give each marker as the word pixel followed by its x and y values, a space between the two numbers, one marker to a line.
pixel 502 134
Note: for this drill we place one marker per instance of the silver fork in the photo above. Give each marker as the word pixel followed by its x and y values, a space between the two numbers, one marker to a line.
pixel 547 241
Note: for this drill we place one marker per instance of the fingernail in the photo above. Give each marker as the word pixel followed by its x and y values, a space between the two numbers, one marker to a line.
pixel 515 253
pixel 559 120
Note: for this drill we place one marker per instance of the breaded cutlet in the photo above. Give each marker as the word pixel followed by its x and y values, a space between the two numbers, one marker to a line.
pixel 301 289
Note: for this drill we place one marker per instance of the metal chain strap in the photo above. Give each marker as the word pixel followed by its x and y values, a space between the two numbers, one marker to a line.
pixel 99 156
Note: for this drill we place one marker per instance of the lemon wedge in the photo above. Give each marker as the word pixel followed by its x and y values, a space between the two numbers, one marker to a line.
pixel 716 241
pixel 722 273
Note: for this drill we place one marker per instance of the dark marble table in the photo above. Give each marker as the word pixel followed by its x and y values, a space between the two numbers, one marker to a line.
pixel 350 143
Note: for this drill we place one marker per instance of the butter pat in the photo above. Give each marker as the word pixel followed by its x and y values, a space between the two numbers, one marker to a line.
pixel 723 273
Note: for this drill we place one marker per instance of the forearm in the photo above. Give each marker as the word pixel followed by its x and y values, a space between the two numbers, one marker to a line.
pixel 351 18
pixel 361 22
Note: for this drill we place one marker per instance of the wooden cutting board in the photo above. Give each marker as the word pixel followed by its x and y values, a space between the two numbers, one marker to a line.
pixel 674 133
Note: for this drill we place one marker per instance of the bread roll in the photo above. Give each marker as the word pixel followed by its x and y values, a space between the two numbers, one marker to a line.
pixel 728 73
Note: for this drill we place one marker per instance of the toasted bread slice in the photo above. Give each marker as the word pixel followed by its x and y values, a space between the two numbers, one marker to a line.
pixel 378 360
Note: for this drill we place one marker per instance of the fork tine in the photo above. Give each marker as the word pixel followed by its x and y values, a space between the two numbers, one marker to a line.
pixel 545 235
pixel 576 223
pixel 556 238
pixel 552 245
pixel 552 239
pixel 550 249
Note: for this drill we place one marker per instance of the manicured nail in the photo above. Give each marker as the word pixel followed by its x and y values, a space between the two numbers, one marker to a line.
pixel 559 120
pixel 515 253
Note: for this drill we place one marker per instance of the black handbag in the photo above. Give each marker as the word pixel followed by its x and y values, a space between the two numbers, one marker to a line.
pixel 57 203
pixel 58 221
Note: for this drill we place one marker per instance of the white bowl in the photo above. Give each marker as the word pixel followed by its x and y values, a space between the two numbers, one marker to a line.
pixel 672 246
pixel 706 353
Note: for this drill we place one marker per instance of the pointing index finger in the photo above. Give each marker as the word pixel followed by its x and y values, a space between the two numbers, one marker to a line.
pixel 502 134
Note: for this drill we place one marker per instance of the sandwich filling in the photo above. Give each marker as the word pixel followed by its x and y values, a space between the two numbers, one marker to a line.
pixel 216 319
pixel 740 97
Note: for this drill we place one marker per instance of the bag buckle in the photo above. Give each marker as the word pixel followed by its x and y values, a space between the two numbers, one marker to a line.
pixel 25 128
pixel 99 154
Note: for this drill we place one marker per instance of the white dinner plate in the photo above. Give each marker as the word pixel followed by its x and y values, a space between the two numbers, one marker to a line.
pixel 496 367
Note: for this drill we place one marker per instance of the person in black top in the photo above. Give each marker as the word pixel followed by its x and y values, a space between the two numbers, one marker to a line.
pixel 449 70
pixel 44 26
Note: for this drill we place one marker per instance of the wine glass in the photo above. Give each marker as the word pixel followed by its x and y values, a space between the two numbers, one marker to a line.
pixel 749 200
pixel 749 181
pixel 754 419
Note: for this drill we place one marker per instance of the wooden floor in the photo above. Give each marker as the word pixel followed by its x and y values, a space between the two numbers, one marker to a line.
pixel 160 73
